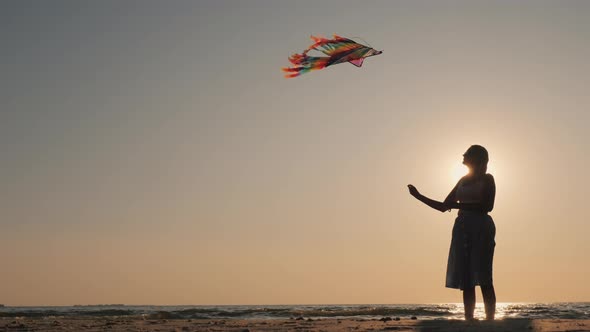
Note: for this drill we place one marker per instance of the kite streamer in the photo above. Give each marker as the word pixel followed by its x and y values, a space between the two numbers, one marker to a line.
pixel 337 49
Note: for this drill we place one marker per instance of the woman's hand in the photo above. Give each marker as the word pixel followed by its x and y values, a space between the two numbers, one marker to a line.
pixel 413 191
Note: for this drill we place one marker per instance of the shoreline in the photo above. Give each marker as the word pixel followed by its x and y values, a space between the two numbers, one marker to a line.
pixel 119 323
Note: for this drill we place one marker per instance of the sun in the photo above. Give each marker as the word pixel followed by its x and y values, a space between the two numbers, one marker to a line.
pixel 458 171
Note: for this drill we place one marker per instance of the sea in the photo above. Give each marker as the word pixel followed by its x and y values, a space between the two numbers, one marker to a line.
pixel 578 310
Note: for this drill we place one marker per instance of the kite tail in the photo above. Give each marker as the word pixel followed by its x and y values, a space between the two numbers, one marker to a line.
pixel 304 64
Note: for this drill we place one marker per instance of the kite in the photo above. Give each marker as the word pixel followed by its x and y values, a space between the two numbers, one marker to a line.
pixel 338 50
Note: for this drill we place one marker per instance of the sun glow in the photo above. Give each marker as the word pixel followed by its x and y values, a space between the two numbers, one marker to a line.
pixel 458 171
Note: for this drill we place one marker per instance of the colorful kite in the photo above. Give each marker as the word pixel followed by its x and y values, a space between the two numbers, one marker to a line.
pixel 338 50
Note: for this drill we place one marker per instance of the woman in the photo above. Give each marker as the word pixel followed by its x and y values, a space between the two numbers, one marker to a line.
pixel 472 245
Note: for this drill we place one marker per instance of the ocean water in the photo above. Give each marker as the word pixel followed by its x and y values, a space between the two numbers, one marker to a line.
pixel 403 311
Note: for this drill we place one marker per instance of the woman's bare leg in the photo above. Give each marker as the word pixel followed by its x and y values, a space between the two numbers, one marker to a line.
pixel 469 302
pixel 489 300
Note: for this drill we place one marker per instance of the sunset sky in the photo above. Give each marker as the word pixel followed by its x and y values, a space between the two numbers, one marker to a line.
pixel 153 153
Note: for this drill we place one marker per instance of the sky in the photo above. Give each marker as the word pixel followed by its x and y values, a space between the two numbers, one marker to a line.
pixel 153 153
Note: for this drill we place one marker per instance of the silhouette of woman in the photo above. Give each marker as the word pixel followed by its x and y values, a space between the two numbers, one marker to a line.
pixel 472 245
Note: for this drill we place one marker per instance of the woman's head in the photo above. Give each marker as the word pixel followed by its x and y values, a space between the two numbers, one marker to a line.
pixel 476 159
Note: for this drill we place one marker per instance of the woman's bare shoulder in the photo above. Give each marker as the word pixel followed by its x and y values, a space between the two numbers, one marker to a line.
pixel 489 180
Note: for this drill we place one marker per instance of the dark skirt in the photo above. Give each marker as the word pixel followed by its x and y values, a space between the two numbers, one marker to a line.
pixel 472 251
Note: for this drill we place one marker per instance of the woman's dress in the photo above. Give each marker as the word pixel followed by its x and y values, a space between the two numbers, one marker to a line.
pixel 472 245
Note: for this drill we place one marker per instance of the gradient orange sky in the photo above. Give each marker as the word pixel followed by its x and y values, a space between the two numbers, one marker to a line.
pixel 152 152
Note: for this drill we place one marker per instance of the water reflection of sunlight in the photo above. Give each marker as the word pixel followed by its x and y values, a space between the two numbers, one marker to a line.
pixel 502 310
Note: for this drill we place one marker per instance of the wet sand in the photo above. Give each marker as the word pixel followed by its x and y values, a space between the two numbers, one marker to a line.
pixel 318 325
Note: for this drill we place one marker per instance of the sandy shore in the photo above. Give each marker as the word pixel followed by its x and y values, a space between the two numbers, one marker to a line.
pixel 318 325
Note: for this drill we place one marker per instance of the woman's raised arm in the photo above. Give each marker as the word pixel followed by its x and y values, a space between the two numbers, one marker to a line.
pixel 440 206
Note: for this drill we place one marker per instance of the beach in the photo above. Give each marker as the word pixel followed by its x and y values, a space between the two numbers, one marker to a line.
pixel 115 323
pixel 241 318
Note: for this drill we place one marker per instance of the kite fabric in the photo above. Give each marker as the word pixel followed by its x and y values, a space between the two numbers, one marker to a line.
pixel 338 50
